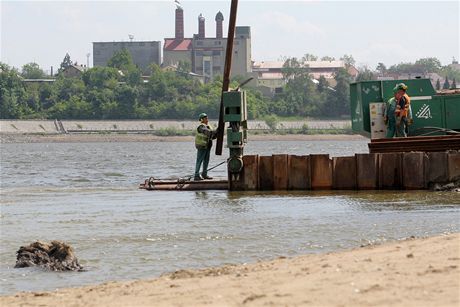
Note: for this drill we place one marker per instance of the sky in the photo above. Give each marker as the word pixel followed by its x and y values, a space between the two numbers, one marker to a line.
pixel 390 32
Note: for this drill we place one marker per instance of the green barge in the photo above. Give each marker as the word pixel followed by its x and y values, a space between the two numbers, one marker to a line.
pixel 433 113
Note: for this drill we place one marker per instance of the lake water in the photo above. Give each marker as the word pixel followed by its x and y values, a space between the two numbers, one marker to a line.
pixel 87 195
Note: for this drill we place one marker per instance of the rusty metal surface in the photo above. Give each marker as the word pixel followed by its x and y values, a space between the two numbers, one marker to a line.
pixel 422 143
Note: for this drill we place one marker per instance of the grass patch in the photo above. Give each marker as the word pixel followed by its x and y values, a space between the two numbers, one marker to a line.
pixel 171 131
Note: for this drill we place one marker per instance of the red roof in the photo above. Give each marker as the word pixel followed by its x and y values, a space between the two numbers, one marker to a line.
pixel 172 44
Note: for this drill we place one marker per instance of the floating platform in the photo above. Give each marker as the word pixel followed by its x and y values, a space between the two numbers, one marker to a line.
pixel 153 184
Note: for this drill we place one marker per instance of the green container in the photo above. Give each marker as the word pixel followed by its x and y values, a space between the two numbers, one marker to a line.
pixel 417 88
pixel 365 92
pixel 452 110
pixel 427 113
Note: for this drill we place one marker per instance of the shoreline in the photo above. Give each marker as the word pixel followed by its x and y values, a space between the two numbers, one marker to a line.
pixel 411 272
pixel 100 137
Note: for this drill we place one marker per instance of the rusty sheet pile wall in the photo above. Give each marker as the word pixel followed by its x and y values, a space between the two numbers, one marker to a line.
pixel 410 170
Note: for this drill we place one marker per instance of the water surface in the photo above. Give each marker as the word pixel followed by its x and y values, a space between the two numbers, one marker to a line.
pixel 86 195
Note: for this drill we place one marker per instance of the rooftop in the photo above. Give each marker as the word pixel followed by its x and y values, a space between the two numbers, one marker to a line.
pixel 172 44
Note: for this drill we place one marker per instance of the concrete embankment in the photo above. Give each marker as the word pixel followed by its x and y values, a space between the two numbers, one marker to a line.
pixel 144 126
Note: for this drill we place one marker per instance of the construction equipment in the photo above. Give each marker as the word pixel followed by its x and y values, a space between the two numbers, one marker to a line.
pixel 226 79
pixel 429 108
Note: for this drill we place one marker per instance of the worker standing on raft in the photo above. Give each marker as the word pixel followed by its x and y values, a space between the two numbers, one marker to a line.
pixel 203 143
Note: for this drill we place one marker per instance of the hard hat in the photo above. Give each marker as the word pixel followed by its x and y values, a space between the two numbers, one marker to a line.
pixel 202 115
pixel 401 86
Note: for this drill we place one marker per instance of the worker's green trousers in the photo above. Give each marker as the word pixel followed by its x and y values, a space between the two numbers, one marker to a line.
pixel 394 130
pixel 202 156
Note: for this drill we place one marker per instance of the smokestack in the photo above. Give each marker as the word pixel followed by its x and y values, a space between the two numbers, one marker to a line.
pixel 179 23
pixel 201 26
pixel 219 28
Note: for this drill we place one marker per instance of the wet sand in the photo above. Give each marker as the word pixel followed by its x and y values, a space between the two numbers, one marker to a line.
pixel 413 272
pixel 83 138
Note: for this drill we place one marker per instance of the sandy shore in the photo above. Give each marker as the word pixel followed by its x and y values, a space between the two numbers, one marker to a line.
pixel 80 138
pixel 413 272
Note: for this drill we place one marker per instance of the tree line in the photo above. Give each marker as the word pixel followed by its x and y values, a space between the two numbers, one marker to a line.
pixel 118 91
pixel 421 67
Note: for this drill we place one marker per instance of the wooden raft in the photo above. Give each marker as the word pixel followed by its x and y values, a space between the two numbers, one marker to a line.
pixel 184 185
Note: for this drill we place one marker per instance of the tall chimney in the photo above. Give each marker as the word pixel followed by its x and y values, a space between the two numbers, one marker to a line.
pixel 179 23
pixel 219 28
pixel 201 31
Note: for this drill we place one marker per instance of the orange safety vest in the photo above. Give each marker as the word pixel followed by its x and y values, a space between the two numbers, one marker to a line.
pixel 405 112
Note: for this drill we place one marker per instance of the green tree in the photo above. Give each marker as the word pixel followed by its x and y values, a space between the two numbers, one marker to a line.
pixel 32 71
pixel 66 63
pixel 438 85
pixel 101 77
pixel 11 93
pixel 121 60
pixel 365 74
pixel 381 69
pixel 339 101
pixel 322 84
pixel 309 57
pixel 426 65
pixel 126 97
pixel 446 84
pixel 327 58
pixel 299 96
pixel 184 66
pixel 348 60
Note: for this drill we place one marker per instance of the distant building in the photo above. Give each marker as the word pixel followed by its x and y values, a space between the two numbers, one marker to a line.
pixel 143 53
pixel 269 76
pixel 73 71
pixel 207 54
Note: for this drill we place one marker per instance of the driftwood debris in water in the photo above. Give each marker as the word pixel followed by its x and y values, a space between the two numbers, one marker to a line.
pixel 54 256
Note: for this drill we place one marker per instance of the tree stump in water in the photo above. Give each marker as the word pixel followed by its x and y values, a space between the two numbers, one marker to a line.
pixel 54 256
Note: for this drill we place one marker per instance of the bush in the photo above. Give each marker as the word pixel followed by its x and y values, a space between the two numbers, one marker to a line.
pixel 272 121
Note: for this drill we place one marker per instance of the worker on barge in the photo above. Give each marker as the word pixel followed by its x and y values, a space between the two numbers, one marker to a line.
pixel 404 118
pixel 398 114
pixel 203 143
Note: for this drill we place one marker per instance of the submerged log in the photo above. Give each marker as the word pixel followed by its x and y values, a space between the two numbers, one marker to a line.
pixel 54 256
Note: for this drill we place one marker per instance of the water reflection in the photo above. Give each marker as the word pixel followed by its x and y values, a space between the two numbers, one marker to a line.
pixel 222 201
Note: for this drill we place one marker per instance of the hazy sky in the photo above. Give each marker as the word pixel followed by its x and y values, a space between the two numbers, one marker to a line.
pixel 372 31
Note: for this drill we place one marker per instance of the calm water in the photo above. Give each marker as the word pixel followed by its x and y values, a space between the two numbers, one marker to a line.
pixel 86 195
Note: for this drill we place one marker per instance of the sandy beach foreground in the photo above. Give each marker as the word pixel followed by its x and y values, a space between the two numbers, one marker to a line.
pixel 413 272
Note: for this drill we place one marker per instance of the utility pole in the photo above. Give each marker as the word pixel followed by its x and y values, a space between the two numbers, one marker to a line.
pixel 226 81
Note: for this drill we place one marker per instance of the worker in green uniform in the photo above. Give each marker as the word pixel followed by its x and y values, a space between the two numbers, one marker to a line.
pixel 391 114
pixel 203 143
